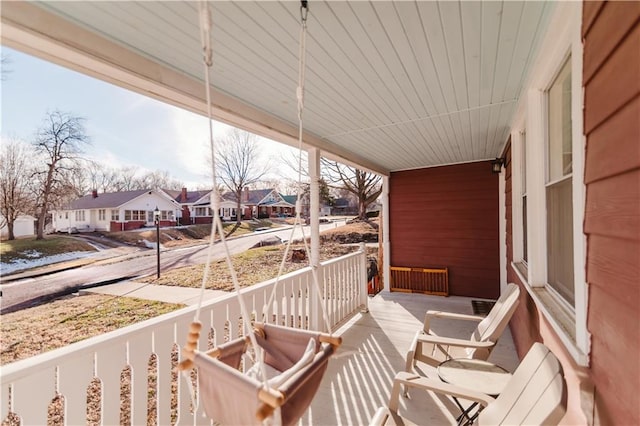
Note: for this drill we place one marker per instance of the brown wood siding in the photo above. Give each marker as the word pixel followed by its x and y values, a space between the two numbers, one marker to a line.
pixel 612 215
pixel 448 217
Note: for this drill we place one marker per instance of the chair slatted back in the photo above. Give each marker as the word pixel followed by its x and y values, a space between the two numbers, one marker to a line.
pixel 492 327
pixel 536 394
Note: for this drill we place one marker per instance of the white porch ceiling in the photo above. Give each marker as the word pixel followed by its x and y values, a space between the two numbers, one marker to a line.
pixel 392 85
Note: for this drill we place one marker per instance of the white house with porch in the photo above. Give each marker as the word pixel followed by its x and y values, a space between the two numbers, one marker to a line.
pixel 116 211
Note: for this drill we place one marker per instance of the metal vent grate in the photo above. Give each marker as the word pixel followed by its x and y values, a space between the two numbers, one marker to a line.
pixel 481 307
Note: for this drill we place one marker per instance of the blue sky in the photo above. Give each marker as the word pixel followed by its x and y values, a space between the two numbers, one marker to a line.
pixel 125 128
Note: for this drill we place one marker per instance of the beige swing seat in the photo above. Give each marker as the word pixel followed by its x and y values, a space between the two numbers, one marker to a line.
pixel 298 358
pixel 536 394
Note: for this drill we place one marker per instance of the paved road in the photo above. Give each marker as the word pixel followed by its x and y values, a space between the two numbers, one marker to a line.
pixel 23 293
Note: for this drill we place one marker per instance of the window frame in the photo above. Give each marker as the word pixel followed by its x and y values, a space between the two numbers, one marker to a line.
pixel 569 323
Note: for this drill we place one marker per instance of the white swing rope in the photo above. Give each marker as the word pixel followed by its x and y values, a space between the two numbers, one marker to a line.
pixel 205 35
pixel 304 10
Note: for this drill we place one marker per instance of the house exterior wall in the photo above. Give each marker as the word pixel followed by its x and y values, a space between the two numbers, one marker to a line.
pixel 606 390
pixel 611 32
pixel 448 217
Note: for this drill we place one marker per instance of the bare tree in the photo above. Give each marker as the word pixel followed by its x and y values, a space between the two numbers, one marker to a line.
pixel 239 164
pixel 159 179
pixel 366 186
pixel 60 142
pixel 15 197
pixel 126 180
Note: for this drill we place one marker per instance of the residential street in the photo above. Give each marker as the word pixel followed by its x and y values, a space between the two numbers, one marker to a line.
pixel 21 294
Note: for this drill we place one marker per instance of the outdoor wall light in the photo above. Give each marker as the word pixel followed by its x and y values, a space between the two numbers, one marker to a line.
pixel 496 165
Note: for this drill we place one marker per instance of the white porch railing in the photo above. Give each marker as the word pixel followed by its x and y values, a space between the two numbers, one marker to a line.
pixel 28 387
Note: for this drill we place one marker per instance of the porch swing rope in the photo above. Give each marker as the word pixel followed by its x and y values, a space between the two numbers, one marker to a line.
pixel 302 50
pixel 194 330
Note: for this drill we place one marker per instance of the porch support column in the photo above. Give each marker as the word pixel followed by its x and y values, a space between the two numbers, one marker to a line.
pixel 386 241
pixel 315 310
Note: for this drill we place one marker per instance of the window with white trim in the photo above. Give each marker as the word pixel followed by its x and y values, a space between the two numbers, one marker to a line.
pixel 102 214
pixel 558 187
pixel 115 215
pixel 203 211
pixel 548 181
pixel 79 215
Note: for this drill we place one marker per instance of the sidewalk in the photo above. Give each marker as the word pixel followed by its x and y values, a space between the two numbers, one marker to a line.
pixel 161 293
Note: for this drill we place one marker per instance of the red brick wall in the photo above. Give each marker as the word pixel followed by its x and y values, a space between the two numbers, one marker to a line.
pixel 201 220
pixel 448 217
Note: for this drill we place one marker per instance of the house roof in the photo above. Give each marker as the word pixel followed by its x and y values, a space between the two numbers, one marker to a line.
pixel 106 199
pixel 291 199
pixel 257 195
pixel 192 196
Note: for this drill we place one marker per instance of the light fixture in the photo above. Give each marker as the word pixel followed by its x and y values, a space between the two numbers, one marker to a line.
pixel 496 165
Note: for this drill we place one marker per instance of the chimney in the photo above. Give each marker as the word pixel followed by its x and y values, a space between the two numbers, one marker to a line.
pixel 183 195
pixel 245 195
pixel 94 193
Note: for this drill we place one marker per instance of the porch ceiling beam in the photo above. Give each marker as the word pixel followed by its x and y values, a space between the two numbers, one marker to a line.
pixel 35 31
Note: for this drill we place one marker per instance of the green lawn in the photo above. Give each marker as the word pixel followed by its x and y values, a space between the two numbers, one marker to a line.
pixel 25 248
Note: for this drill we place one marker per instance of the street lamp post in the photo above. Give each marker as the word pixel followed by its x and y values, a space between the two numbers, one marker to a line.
pixel 156 217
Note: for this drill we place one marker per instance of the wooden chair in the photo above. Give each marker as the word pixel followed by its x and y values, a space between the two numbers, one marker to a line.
pixel 432 349
pixel 536 394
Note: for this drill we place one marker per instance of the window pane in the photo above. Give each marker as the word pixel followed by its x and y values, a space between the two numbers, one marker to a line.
pixel 560 144
pixel 560 239
pixel 525 255
pixel 524 163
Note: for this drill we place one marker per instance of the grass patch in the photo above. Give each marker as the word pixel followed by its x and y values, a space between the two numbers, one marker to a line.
pixel 56 324
pixel 26 248
pixel 252 266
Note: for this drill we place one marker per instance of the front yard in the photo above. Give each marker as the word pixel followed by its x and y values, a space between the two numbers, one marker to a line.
pixel 59 323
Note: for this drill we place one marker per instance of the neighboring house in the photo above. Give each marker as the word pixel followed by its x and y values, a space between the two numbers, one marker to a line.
pixel 325 210
pixel 202 210
pixel 116 211
pixel 344 206
pixel 190 202
pixel 23 226
pixel 264 203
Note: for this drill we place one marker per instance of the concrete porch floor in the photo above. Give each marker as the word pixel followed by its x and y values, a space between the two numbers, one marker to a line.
pixel 359 378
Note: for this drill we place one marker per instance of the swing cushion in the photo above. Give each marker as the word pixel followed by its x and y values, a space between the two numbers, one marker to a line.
pixel 232 398
pixel 276 377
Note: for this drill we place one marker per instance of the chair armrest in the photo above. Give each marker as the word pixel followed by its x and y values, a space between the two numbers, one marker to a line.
pixel 450 341
pixel 448 315
pixel 415 381
pixel 384 417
